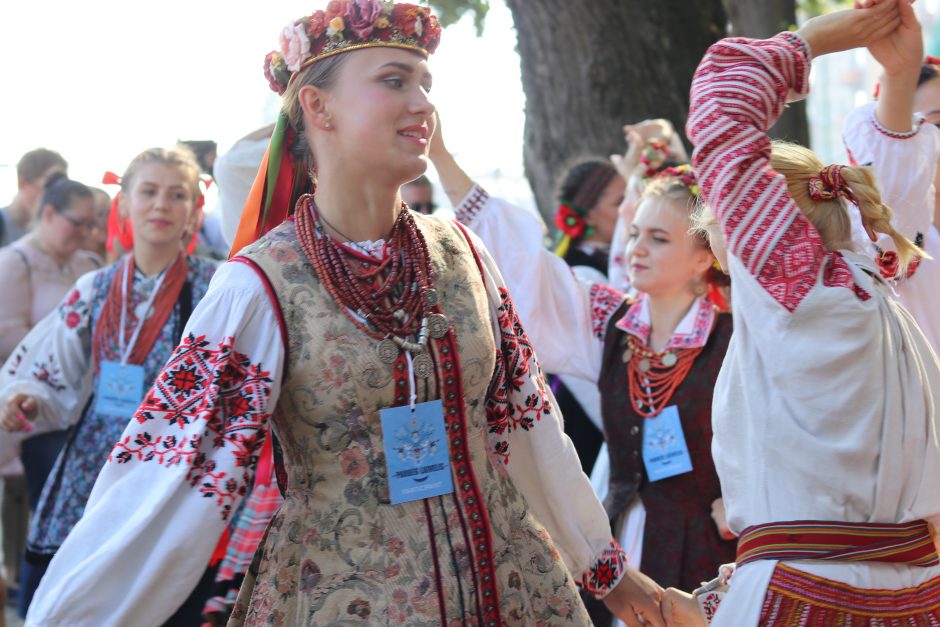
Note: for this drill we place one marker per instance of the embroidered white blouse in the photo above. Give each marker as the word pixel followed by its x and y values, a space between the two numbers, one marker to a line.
pixel 825 408
pixel 149 528
pixel 905 165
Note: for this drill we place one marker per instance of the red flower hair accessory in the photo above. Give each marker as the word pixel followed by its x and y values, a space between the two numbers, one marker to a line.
pixel 830 184
pixel 350 25
pixel 569 221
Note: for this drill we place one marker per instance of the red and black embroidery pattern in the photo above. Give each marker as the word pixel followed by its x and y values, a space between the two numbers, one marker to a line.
pixel 607 571
pixel 514 362
pixel 48 372
pixel 218 400
pixel 739 90
pixel 604 302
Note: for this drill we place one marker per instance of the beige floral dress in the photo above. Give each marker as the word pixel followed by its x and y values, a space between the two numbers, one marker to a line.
pixel 521 531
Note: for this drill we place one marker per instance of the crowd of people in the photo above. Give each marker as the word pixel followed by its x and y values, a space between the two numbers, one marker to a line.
pixel 348 422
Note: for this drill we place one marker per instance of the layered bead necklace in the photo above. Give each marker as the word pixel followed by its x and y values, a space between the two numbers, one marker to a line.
pixel 654 377
pixel 394 302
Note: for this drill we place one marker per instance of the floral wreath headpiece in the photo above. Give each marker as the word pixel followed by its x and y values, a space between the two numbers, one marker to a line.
pixel 655 155
pixel 348 25
pixel 344 26
pixel 685 175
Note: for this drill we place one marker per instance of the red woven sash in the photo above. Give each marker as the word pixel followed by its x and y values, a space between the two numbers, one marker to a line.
pixel 904 543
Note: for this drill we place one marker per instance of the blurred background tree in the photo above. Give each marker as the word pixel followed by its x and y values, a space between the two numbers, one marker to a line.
pixel 589 66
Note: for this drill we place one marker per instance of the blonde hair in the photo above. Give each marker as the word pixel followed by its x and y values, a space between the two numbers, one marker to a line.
pixel 831 217
pixel 678 193
pixel 322 75
pixel 180 158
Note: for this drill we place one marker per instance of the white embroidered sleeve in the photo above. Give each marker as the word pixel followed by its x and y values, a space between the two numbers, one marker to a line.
pixel 565 316
pixel 50 364
pixel 181 467
pixel 527 440
pixel 904 164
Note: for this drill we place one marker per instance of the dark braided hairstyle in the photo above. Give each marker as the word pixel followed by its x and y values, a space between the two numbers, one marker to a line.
pixel 578 191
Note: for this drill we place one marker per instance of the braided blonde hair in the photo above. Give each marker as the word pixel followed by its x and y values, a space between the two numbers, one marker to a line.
pixel 831 217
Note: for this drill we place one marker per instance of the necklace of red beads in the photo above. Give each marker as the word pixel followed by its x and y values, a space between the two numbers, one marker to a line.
pixel 653 377
pixel 394 302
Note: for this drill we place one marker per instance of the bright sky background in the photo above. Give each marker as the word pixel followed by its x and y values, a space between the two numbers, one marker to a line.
pixel 101 80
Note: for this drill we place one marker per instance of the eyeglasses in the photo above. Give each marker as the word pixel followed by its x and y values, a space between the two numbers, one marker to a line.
pixel 85 225
pixel 423 207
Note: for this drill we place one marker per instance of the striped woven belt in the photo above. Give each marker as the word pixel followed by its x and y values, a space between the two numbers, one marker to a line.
pixel 902 543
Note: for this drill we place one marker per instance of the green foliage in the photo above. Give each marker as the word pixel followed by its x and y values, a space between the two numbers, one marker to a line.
pixel 450 11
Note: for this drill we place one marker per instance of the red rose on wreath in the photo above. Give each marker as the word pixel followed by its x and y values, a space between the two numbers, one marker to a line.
pixel 269 73
pixel 569 222
pixel 432 34
pixel 888 263
pixel 73 298
pixel 72 319
pixel 335 8
pixel 405 18
pixel 316 24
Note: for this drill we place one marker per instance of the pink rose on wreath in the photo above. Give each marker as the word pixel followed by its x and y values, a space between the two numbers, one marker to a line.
pixel 72 319
pixel 73 298
pixel 354 464
pixel 361 16
pixel 295 45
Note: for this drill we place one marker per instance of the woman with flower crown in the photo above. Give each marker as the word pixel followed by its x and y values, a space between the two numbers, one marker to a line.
pixel 427 479
pixel 653 357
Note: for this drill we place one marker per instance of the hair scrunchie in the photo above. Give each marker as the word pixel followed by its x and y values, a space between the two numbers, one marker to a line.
pixel 830 184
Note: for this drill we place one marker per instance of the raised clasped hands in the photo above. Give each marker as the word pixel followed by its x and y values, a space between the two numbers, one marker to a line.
pixel 901 50
pixel 870 21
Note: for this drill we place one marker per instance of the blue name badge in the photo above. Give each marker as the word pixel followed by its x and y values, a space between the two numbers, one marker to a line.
pixel 665 453
pixel 416 452
pixel 120 389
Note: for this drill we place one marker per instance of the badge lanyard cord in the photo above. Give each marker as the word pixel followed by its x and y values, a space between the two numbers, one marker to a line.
pixel 126 350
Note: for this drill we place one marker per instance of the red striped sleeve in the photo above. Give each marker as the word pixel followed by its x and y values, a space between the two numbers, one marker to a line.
pixel 739 91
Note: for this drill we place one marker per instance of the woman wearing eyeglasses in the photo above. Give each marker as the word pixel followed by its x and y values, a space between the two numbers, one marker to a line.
pixel 36 271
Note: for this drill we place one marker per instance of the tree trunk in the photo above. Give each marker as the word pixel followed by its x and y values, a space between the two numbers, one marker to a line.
pixel 590 66
pixel 750 18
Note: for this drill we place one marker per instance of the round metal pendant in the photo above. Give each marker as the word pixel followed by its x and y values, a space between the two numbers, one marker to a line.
pixel 423 365
pixel 627 356
pixel 644 365
pixel 669 360
pixel 387 351
pixel 430 297
pixel 437 326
